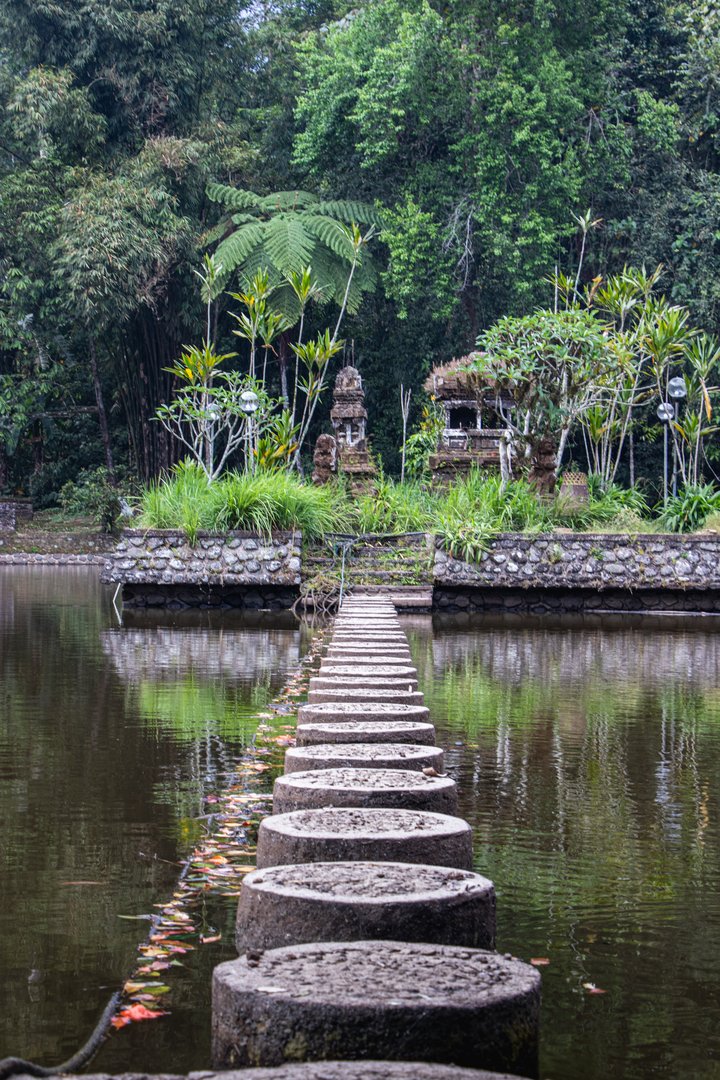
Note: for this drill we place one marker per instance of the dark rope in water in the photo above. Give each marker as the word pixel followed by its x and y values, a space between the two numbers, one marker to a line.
pixel 12 1066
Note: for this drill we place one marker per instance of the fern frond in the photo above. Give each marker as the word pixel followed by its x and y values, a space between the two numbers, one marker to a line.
pixel 288 200
pixel 349 210
pixel 233 198
pixel 288 245
pixel 330 233
pixel 237 248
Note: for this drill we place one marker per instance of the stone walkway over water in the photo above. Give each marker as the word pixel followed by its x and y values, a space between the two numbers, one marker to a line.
pixel 364 933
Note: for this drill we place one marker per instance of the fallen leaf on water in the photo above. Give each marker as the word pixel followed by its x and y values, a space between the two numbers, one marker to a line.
pixel 539 961
pixel 593 989
pixel 208 940
pixel 134 1013
pixel 82 882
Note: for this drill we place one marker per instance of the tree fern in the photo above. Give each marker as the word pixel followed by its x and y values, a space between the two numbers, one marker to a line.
pixel 287 230
pixel 288 244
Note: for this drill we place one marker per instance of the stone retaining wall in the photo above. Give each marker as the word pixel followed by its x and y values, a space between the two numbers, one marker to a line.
pixel 8 517
pixel 33 558
pixel 566 572
pixel 165 557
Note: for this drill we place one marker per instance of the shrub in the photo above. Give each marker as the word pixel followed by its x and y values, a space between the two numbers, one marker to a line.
pixel 92 495
pixel 690 508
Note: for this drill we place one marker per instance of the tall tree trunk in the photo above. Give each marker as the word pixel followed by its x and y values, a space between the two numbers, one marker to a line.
pixel 102 415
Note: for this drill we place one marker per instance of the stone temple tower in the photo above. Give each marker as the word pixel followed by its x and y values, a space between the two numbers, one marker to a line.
pixel 349 421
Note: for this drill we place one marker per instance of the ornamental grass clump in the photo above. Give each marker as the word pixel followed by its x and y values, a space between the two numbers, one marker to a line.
pixel 254 502
pixel 394 508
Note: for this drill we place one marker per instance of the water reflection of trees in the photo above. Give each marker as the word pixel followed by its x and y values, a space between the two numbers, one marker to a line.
pixel 107 744
pixel 589 764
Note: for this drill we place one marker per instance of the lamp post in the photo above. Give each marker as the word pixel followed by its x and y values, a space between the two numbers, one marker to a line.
pixel 677 391
pixel 665 413
pixel 249 402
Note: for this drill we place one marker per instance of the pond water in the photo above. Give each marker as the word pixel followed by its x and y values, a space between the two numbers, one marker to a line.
pixel 588 760
pixel 110 737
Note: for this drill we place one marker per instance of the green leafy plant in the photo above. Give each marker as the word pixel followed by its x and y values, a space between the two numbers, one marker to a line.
pixel 690 508
pixel 93 495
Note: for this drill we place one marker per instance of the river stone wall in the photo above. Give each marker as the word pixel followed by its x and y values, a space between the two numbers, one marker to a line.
pixel 160 568
pixel 571 572
pixel 166 557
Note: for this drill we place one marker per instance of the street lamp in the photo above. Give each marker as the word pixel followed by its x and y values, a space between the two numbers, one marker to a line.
pixel 677 391
pixel 665 413
pixel 249 402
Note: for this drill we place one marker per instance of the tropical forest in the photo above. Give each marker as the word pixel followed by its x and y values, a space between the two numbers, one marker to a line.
pixel 200 201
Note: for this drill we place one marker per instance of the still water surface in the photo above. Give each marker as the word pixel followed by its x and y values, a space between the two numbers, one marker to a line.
pixel 588 760
pixel 109 739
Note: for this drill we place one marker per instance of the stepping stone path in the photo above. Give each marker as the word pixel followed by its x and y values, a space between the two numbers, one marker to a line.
pixel 364 931
pixel 366 731
pixel 361 755
pixel 355 901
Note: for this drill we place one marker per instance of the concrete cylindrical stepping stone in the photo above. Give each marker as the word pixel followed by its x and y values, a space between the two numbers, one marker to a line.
pixel 355 901
pixel 343 1070
pixel 367 644
pixel 392 788
pixel 360 696
pixel 377 682
pixel 347 667
pixel 342 834
pixel 363 756
pixel 364 731
pixel 338 712
pixel 358 625
pixel 365 661
pixel 361 645
pixel 396 1000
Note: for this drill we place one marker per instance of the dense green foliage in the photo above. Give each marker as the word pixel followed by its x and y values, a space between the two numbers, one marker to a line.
pixel 481 131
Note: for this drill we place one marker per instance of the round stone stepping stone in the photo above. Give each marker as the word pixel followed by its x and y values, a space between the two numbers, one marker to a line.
pixel 401 788
pixel 376 622
pixel 355 901
pixel 360 696
pixel 363 756
pixel 365 659
pixel 341 1070
pixel 342 834
pixel 372 671
pixel 370 654
pixel 405 1000
pixel 364 731
pixel 337 712
pixel 363 645
pixel 377 640
pixel 338 682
